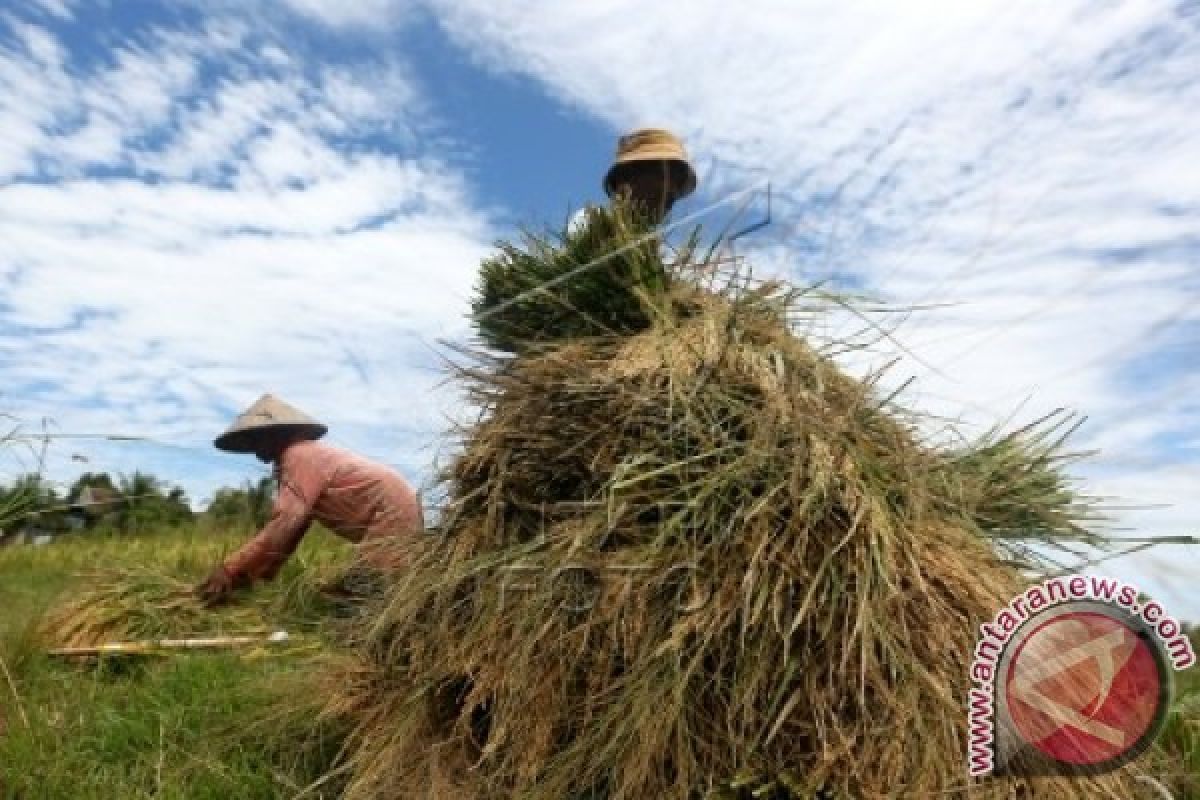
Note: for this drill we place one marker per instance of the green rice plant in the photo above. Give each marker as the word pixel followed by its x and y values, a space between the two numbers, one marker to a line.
pixel 19 501
pixel 1180 738
pixel 1014 488
pixel 603 278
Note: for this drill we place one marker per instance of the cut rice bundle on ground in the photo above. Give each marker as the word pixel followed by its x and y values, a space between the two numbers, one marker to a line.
pixel 113 605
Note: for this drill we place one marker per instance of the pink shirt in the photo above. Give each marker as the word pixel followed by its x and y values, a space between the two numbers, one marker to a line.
pixel 354 497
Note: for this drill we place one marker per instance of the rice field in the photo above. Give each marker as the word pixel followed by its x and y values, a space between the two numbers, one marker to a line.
pixel 188 725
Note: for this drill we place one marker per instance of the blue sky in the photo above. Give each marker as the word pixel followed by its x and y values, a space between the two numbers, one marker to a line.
pixel 200 202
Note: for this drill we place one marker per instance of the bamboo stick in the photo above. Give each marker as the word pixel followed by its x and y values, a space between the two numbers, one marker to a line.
pixel 148 647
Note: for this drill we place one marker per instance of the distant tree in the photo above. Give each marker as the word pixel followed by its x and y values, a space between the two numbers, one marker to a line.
pixel 147 505
pixel 129 504
pixel 246 506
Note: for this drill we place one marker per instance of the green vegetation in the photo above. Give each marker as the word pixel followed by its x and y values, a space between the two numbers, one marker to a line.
pixel 541 292
pixel 1181 736
pixel 249 505
pixel 187 725
pixel 137 503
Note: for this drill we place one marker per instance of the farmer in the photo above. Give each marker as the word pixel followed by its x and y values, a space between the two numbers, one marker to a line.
pixel 356 498
pixel 651 172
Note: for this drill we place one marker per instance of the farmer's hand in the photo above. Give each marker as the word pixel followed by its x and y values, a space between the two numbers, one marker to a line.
pixel 216 589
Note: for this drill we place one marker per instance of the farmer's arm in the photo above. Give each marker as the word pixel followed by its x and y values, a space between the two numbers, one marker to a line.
pixel 262 556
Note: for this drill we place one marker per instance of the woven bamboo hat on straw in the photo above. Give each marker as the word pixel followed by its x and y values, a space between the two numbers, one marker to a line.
pixel 268 413
pixel 652 144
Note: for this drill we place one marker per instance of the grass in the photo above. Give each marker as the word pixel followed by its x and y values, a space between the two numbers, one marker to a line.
pixel 190 725
pixel 1181 736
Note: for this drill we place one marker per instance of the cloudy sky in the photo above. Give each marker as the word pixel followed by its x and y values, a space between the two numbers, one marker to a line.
pixel 200 202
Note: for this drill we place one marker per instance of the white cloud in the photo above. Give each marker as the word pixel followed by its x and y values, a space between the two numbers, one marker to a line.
pixel 199 217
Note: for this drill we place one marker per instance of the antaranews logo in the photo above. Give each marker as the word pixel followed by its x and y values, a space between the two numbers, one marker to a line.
pixel 1072 677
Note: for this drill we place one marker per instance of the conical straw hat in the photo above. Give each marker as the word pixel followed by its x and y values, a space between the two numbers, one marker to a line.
pixel 267 413
pixel 651 144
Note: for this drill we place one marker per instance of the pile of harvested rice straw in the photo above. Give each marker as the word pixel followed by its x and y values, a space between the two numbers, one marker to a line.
pixel 686 555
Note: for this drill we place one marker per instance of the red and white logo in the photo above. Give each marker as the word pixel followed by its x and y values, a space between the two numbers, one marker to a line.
pixel 1069 682
pixel 1084 689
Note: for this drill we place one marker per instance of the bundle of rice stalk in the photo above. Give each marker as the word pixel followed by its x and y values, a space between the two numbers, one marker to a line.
pixel 548 291
pixel 126 604
pixel 693 559
pixel 119 604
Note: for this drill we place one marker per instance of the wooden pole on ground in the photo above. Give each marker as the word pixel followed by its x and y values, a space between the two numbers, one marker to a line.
pixel 153 646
